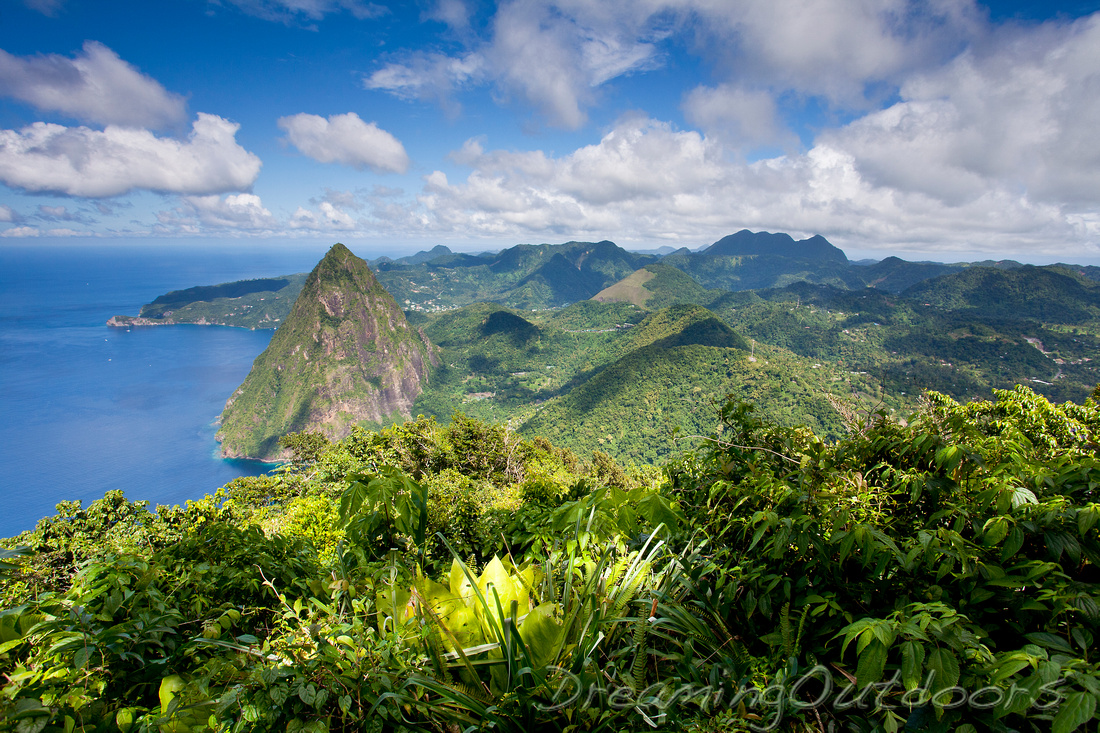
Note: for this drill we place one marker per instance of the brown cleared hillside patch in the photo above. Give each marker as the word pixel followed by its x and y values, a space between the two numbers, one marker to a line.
pixel 630 289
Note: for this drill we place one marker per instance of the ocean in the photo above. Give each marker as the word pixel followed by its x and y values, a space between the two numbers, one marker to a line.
pixel 85 408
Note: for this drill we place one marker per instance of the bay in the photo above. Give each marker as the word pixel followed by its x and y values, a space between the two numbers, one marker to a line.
pixel 87 408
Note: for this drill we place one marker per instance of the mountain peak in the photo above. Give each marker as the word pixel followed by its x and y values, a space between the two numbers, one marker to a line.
pixel 345 355
pixel 745 243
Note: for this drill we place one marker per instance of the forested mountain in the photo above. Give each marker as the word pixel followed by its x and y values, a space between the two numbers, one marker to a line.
pixel 681 363
pixel 524 276
pixel 961 330
pixel 745 243
pixel 1044 293
pixel 554 275
pixel 894 274
pixel 344 355
pixel 655 286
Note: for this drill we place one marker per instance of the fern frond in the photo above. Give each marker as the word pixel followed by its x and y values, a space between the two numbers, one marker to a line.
pixel 627 592
pixel 637 670
pixel 785 629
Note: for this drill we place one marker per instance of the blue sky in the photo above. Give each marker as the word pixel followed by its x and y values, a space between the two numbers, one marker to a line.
pixel 934 129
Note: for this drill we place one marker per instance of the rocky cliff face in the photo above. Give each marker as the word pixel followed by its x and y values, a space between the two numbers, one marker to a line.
pixel 344 355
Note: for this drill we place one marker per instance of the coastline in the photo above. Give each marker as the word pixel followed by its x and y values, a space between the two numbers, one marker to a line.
pixel 138 321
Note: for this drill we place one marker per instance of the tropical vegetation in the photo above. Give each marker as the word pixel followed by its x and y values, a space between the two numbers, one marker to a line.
pixel 936 573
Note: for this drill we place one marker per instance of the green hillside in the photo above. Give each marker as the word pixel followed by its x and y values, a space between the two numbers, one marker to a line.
pixel 671 369
pixel 1048 294
pixel 256 304
pixel 644 375
pixel 641 407
pixel 498 364
pixel 909 346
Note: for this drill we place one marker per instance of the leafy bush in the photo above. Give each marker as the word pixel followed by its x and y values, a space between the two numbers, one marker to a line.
pixel 958 552
pixel 937 574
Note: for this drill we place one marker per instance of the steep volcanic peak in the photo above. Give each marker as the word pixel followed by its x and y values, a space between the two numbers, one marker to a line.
pixel 745 242
pixel 344 355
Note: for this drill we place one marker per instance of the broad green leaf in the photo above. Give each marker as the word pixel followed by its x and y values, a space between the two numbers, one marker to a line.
pixel 463 629
pixel 1077 710
pixel 657 509
pixel 1013 544
pixel 871 664
pixel 1087 518
pixel 994 531
pixel 496 577
pixel 169 687
pixel 124 719
pixel 542 632
pixel 1021 496
pixel 912 663
pixel 946 668
pixel 1059 543
pixel 392 602
pixel 1050 641
pixel 460 584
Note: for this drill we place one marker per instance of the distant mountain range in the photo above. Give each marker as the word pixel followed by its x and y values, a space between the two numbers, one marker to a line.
pixel 540 276
pixel 646 345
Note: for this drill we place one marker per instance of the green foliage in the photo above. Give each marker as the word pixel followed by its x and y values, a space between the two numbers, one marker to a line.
pixel 940 572
pixel 314 518
pixel 305 447
pixel 958 550
pixel 641 409
pixel 377 509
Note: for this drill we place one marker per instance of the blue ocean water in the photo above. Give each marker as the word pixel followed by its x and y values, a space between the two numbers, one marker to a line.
pixel 85 408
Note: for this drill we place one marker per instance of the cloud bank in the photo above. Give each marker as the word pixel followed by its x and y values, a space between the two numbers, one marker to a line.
pixel 79 161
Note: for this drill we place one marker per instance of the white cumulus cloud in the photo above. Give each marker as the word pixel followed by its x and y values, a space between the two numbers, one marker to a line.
pixel 328 217
pixel 645 180
pixel 241 213
pixel 1019 114
pixel 235 211
pixel 96 86
pixel 7 214
pixel 78 161
pixel 345 139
